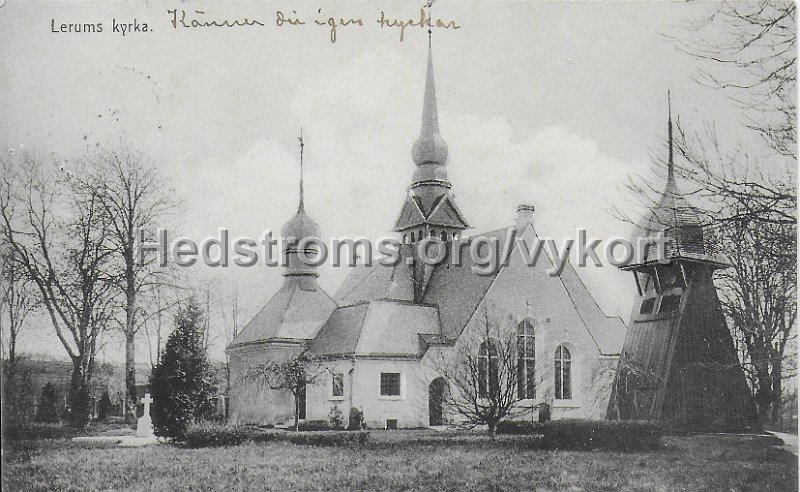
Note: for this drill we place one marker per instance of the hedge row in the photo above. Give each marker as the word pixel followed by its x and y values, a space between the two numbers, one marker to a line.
pixel 519 427
pixel 616 435
pixel 36 431
pixel 209 435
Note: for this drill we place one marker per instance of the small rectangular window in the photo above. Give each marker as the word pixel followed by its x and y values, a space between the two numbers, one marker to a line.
pixel 391 424
pixel 390 384
pixel 647 306
pixel 337 389
pixel 669 304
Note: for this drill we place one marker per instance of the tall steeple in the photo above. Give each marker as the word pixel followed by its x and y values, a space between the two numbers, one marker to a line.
pixel 300 227
pixel 673 218
pixel 430 148
pixel 670 162
pixel 429 208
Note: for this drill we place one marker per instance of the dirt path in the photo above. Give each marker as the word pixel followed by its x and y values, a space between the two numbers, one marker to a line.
pixel 790 442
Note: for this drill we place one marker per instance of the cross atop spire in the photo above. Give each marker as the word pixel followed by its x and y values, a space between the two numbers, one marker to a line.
pixel 430 22
pixel 301 207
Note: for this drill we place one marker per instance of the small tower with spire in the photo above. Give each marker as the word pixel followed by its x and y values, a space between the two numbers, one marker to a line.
pixel 429 208
pixel 678 363
pixel 301 226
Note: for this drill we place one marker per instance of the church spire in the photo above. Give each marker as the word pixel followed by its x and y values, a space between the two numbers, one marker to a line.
pixel 301 207
pixel 670 162
pixel 430 148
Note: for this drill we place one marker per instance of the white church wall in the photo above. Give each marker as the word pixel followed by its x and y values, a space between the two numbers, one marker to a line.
pixel 252 401
pixel 319 396
pixel 362 390
pixel 520 291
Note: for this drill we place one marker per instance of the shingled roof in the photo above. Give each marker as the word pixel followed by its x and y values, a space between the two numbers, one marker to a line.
pixel 293 313
pixel 376 328
pixel 457 291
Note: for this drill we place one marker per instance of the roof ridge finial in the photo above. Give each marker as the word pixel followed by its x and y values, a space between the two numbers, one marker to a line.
pixel 670 162
pixel 301 207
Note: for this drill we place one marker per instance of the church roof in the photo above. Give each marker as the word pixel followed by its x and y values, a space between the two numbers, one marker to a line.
pixel 608 332
pixel 457 292
pixel 293 313
pixel 376 328
pixel 675 219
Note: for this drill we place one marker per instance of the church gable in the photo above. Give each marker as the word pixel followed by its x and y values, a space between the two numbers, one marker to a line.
pixel 446 214
pixel 410 215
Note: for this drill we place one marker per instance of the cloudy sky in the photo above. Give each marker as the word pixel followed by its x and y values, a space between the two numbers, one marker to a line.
pixel 547 103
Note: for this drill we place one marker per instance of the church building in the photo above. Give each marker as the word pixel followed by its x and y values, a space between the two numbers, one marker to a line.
pixel 381 336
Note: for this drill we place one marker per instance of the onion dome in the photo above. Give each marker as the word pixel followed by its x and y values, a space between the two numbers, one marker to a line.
pixel 300 226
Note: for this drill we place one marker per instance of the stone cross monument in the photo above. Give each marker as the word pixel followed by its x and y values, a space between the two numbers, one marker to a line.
pixel 144 426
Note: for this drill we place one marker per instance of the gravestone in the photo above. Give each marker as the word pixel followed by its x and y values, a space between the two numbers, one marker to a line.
pixel 144 426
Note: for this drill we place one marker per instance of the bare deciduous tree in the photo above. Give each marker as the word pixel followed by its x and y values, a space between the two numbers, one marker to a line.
pixel 484 373
pixel 292 374
pixel 57 230
pixel 759 296
pixel 134 196
pixel 17 301
pixel 750 52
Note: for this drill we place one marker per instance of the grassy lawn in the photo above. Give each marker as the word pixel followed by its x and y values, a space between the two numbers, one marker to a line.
pixel 403 460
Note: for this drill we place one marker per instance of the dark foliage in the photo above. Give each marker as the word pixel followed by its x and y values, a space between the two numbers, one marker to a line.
pixel 183 381
pixel 335 418
pixel 50 407
pixel 356 420
pixel 519 427
pixel 35 432
pixel 104 406
pixel 615 435
pixel 318 425
pixel 210 435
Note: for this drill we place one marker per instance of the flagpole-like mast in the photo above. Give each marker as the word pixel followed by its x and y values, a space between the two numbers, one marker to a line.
pixel 301 208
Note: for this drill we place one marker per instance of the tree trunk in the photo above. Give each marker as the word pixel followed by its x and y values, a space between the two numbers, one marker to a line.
pixel 764 394
pixel 130 379
pixel 777 390
pixel 492 429
pixel 296 413
pixel 78 394
pixel 130 351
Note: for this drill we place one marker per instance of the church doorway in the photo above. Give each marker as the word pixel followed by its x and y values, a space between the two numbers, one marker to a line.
pixel 437 393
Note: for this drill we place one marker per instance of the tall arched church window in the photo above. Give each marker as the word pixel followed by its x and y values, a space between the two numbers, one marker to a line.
pixel 563 373
pixel 487 369
pixel 526 360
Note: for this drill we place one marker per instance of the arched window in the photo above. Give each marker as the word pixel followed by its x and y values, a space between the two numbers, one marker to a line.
pixel 444 236
pixel 526 360
pixel 413 238
pixel 487 369
pixel 563 373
